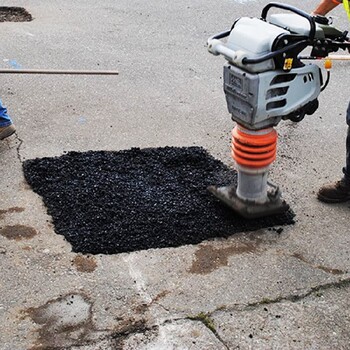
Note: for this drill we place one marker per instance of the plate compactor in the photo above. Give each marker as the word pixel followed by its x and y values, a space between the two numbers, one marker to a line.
pixel 266 81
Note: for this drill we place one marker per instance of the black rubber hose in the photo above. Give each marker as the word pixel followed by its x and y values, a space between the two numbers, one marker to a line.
pixel 273 54
pixel 327 80
pixel 220 35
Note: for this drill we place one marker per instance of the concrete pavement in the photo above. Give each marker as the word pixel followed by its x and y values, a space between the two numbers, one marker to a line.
pixel 255 290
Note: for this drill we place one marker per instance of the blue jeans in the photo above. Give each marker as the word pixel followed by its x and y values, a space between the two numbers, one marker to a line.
pixel 5 119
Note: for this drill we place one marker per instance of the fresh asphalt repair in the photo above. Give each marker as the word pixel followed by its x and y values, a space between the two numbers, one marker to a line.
pixel 106 202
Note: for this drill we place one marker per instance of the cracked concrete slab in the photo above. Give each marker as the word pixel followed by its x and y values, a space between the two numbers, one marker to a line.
pixel 290 325
pixel 180 334
pixel 225 285
pixel 168 93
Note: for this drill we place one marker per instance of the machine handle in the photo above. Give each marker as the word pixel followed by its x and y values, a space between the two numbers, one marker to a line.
pixel 220 35
pixel 217 47
pixel 292 9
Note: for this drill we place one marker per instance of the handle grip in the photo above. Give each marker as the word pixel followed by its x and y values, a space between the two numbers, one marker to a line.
pixel 292 9
pixel 217 47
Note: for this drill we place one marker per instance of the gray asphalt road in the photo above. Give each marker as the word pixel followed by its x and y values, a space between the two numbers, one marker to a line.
pixel 290 292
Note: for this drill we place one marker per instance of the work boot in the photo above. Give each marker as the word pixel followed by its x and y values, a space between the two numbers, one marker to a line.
pixel 7 131
pixel 336 192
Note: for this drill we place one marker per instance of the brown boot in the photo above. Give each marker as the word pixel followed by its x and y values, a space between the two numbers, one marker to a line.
pixel 336 192
pixel 7 131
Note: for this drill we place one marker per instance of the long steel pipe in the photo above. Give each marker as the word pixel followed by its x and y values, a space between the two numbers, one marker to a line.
pixel 53 71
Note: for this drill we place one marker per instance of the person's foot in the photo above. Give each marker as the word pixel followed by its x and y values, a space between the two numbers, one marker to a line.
pixel 7 131
pixel 336 192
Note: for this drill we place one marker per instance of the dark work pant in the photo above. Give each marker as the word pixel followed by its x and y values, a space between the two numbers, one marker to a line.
pixel 346 169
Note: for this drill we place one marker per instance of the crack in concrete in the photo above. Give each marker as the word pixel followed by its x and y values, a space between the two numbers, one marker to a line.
pixel 209 324
pixel 18 148
pixel 207 320
pixel 137 328
pixel 141 327
pixel 343 283
pixel 114 337
pixel 161 305
pixel 198 319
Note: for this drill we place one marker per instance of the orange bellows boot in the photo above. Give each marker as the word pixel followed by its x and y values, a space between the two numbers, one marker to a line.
pixel 253 152
pixel 254 149
pixel 253 196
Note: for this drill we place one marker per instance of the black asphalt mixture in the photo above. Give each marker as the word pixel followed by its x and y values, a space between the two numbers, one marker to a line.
pixel 14 14
pixel 112 202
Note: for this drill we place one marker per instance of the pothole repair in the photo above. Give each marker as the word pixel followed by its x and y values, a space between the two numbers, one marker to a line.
pixel 14 14
pixel 112 202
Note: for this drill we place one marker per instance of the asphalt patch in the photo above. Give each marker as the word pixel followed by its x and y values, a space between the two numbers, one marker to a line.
pixel 112 202
pixel 14 14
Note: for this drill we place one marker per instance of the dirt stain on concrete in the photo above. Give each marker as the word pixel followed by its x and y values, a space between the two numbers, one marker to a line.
pixel 144 307
pixel 18 232
pixel 3 212
pixel 67 322
pixel 207 258
pixel 159 296
pixel 330 270
pixel 85 263
pixel 64 322
pixel 299 256
pixel 130 327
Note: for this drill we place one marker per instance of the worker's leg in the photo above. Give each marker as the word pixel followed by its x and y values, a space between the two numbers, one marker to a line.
pixel 346 169
pixel 339 191
pixel 6 126
pixel 5 119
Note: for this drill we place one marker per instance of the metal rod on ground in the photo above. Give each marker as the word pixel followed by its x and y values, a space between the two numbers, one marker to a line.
pixel 49 71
